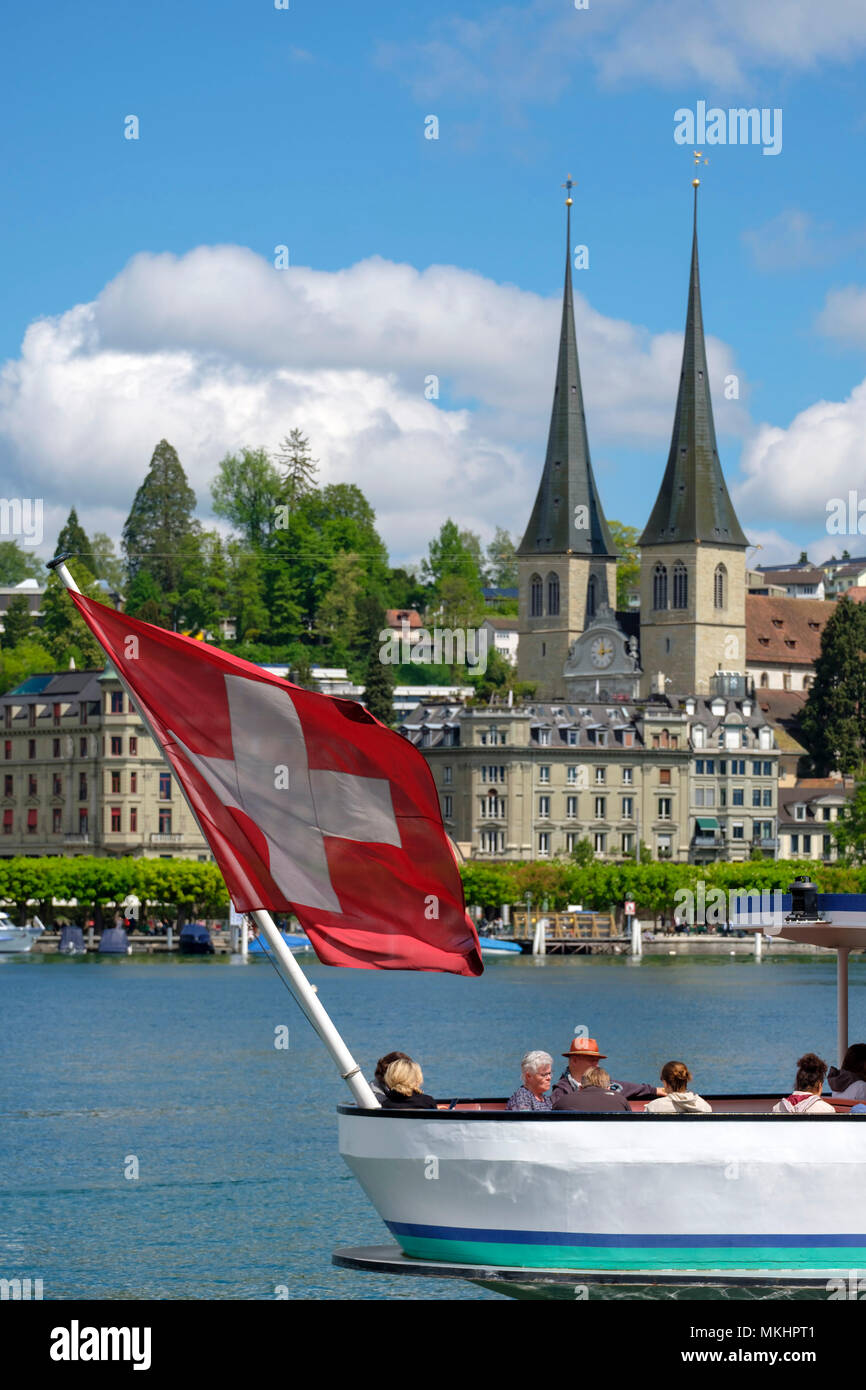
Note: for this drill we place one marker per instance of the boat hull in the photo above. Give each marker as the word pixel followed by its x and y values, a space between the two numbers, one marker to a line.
pixel 604 1193
pixel 14 940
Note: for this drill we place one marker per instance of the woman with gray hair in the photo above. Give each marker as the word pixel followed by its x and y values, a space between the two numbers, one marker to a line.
pixel 537 1069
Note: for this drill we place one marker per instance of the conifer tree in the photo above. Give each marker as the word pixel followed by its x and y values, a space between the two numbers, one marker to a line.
pixel 379 686
pixel 160 534
pixel 73 540
pixel 17 622
pixel 833 722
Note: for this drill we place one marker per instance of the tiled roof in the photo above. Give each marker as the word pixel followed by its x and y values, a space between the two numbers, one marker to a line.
pixel 395 617
pixel 785 630
pixel 857 593
pixel 813 576
pixel 506 624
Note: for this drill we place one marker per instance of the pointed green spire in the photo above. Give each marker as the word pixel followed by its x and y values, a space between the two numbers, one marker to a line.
pixel 567 482
pixel 693 502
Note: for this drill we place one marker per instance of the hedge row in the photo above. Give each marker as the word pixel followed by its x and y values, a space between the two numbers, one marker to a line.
pixel 177 883
pixel 602 886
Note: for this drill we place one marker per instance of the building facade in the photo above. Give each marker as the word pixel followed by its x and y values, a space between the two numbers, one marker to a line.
pixel 82 775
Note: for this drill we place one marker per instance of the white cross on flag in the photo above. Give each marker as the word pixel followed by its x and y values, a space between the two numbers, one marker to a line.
pixel 308 803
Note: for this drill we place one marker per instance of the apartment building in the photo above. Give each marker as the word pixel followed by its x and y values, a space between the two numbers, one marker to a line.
pixel 81 774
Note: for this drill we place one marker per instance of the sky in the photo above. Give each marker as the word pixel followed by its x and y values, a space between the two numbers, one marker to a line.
pixel 227 220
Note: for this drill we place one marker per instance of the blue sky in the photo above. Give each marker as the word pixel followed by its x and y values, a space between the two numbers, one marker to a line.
pixel 305 127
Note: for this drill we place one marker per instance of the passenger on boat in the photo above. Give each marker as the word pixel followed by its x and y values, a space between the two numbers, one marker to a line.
pixel 403 1082
pixel 848 1082
pixel 677 1099
pixel 537 1069
pixel 377 1085
pixel 805 1099
pixel 584 1054
pixel 593 1094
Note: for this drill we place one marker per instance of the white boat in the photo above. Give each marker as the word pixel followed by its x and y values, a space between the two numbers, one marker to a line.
pixel 493 946
pixel 15 940
pixel 741 1195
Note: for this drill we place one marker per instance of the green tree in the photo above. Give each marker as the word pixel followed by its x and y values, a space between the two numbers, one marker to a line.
pixel 450 555
pixel 64 632
pixel 17 624
pixel 583 853
pixel 247 492
pixel 109 565
pixel 160 533
pixel 379 687
pixel 73 539
pixel 144 599
pixel 849 832
pixel 625 543
pixel 299 469
pixel 833 722
pixel 501 568
pixel 337 615
pixel 245 595
pixel 17 564
pixel 17 664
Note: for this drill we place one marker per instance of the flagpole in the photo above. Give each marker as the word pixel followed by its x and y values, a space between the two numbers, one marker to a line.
pixel 289 971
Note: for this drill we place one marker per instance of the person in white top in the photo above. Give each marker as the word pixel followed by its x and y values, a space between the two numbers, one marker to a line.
pixel 848 1082
pixel 677 1099
pixel 806 1096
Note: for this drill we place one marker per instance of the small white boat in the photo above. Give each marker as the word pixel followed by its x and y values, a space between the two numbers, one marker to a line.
pixel 492 946
pixel 15 940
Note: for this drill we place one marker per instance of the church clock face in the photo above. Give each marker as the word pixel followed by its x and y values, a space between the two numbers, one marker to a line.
pixel 602 652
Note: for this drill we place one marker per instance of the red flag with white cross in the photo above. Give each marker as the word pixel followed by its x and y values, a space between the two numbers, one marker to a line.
pixel 308 803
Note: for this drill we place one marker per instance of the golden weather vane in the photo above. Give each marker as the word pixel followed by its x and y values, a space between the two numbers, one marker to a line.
pixel 698 157
pixel 569 184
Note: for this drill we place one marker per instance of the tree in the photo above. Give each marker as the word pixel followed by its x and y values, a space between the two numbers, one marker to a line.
pixel 109 565
pixel 17 564
pixel 833 722
pixel 625 543
pixel 849 832
pixel 17 624
pixel 379 687
pixel 160 527
pixel 247 491
pixel 501 569
pixel 583 852
pixel 144 599
pixel 19 663
pixel 244 598
pixel 337 616
pixel 73 539
pixel 450 554
pixel 299 469
pixel 64 632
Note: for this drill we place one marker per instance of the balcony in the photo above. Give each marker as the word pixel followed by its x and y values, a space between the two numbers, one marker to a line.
pixel 158 837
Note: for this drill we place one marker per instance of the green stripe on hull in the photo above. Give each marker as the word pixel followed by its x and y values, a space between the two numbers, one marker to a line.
pixel 632 1257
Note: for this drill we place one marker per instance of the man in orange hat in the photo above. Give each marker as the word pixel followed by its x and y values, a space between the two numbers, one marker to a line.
pixel 583 1054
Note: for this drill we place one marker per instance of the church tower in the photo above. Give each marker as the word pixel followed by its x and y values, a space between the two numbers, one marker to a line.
pixel 566 560
pixel 693 550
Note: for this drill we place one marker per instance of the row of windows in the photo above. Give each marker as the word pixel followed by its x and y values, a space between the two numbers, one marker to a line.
pixel 113 821
pixel 114 744
pixel 803 844
pixel 680 586
pixel 706 767
pixel 113 784
pixel 493 842
pixel 706 796
pixel 599 738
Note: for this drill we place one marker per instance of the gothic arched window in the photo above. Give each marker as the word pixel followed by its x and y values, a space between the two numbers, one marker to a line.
pixel 720 587
pixel 553 594
pixel 681 586
pixel 591 599
pixel 660 587
pixel 536 596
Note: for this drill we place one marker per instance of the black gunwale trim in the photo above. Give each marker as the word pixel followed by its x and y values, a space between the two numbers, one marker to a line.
pixel 556 1116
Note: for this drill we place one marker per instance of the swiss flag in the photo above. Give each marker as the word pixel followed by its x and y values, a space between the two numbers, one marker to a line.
pixel 308 803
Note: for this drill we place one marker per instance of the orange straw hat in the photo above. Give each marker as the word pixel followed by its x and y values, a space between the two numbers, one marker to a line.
pixel 584 1047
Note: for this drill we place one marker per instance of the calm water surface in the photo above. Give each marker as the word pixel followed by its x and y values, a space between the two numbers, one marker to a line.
pixel 241 1188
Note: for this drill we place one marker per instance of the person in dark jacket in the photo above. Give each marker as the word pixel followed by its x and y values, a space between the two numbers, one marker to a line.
pixel 584 1054
pixel 848 1082
pixel 594 1094
pixel 403 1082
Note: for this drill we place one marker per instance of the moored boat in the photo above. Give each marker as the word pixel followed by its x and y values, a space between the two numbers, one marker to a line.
pixel 15 940
pixel 195 940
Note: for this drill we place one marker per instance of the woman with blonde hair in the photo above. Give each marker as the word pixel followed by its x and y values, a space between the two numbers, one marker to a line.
pixel 403 1082
pixel 677 1099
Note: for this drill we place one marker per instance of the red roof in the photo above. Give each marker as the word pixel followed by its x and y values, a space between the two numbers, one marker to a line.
pixel 785 630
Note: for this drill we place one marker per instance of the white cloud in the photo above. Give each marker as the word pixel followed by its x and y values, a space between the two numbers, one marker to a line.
pixel 216 349
pixel 516 55
pixel 844 315
pixel 794 474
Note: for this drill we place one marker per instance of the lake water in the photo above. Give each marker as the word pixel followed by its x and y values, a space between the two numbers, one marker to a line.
pixel 240 1187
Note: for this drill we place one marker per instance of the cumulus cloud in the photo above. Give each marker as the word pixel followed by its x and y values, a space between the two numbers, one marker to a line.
pixel 515 55
pixel 796 474
pixel 217 349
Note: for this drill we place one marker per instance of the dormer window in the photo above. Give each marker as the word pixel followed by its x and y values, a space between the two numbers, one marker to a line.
pixel 799 812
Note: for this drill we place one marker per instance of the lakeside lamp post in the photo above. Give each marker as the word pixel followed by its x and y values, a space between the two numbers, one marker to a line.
pixel 528 910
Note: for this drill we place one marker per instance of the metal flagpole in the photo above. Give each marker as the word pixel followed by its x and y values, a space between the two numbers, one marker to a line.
pixel 290 972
